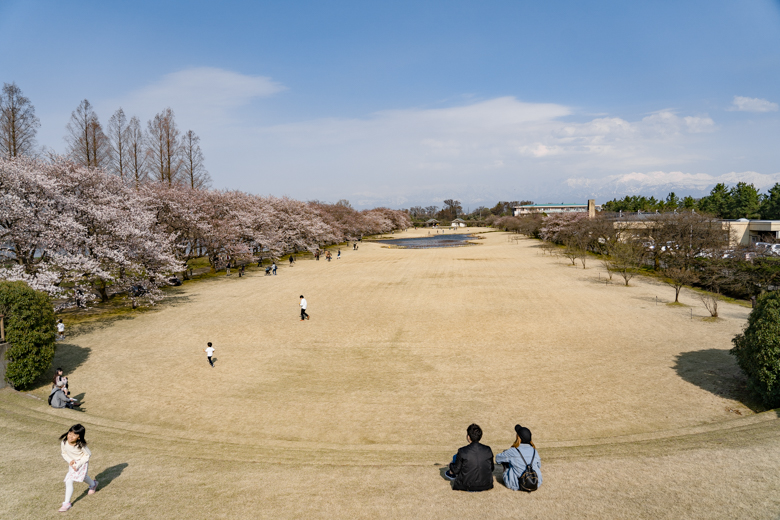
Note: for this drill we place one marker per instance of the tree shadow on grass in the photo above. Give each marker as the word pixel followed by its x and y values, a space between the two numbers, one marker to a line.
pixel 717 372
pixel 99 323
pixel 68 357
pixel 105 478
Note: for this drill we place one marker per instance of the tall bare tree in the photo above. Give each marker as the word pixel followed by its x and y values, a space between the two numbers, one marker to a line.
pixel 626 256
pixel 18 124
pixel 193 172
pixel 164 148
pixel 136 152
pixel 87 144
pixel 117 138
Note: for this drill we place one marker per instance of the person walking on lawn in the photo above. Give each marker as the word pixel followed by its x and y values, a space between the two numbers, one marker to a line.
pixel 73 448
pixel 209 352
pixel 304 316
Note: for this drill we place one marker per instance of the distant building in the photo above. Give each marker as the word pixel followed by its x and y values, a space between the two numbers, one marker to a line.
pixel 531 209
pixel 458 222
pixel 742 232
pixel 745 232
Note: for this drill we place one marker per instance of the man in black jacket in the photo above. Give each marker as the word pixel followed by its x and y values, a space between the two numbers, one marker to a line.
pixel 472 467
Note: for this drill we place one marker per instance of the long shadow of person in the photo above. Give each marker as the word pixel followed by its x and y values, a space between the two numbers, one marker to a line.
pixel 105 478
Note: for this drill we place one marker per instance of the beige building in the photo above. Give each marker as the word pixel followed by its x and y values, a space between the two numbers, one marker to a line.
pixel 745 232
pixel 742 232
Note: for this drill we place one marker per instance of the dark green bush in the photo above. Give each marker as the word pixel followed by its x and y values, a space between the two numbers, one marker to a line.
pixel 30 331
pixel 757 350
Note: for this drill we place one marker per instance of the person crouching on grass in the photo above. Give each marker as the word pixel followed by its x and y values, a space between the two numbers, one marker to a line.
pixel 74 450
pixel 472 467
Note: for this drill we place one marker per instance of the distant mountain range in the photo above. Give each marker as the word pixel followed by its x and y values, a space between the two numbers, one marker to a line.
pixel 660 184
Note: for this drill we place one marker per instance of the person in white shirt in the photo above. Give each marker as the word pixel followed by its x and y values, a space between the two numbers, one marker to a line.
pixel 73 447
pixel 304 316
pixel 60 330
pixel 209 352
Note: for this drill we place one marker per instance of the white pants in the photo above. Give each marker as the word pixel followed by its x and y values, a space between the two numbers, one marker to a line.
pixel 69 487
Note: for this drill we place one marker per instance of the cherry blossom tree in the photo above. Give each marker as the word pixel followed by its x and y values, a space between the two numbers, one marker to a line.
pixel 77 232
pixel 73 230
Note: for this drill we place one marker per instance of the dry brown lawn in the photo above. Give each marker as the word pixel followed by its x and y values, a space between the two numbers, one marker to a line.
pixel 638 410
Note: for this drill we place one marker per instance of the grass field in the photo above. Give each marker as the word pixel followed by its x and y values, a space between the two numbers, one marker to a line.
pixel 638 410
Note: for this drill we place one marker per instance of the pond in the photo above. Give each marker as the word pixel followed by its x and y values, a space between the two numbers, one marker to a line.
pixel 430 242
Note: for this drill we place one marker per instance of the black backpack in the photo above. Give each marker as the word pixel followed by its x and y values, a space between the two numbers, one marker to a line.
pixel 529 480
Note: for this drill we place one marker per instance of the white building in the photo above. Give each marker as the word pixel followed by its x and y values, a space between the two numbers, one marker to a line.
pixel 531 209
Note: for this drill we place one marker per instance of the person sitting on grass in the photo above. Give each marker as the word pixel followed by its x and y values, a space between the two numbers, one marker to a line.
pixel 522 453
pixel 59 399
pixel 60 380
pixel 472 467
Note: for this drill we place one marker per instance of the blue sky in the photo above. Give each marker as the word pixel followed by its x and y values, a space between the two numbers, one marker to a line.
pixel 405 103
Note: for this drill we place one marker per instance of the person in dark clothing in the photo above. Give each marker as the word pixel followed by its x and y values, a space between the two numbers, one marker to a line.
pixel 472 468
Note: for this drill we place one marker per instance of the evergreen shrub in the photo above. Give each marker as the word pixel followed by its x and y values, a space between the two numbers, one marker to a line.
pixel 29 330
pixel 757 349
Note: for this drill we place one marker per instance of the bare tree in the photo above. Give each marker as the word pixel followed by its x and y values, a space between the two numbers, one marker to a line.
pixel 136 151
pixel 547 247
pixel 193 171
pixel 710 301
pixel 680 238
pixel 607 263
pixel 18 124
pixel 452 210
pixel 626 257
pixel 87 144
pixel 679 277
pixel 571 251
pixel 164 148
pixel 117 139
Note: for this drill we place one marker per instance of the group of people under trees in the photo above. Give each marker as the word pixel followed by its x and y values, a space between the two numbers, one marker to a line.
pixel 472 467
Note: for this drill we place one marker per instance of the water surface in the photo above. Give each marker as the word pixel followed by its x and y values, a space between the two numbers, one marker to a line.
pixel 429 242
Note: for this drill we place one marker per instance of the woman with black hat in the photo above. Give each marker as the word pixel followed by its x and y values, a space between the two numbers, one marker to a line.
pixel 515 460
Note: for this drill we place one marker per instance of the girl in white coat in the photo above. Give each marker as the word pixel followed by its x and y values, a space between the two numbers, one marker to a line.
pixel 74 450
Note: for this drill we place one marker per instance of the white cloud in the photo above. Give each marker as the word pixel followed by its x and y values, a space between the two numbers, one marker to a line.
pixel 481 147
pixel 697 125
pixel 746 104
pixel 500 148
pixel 203 95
